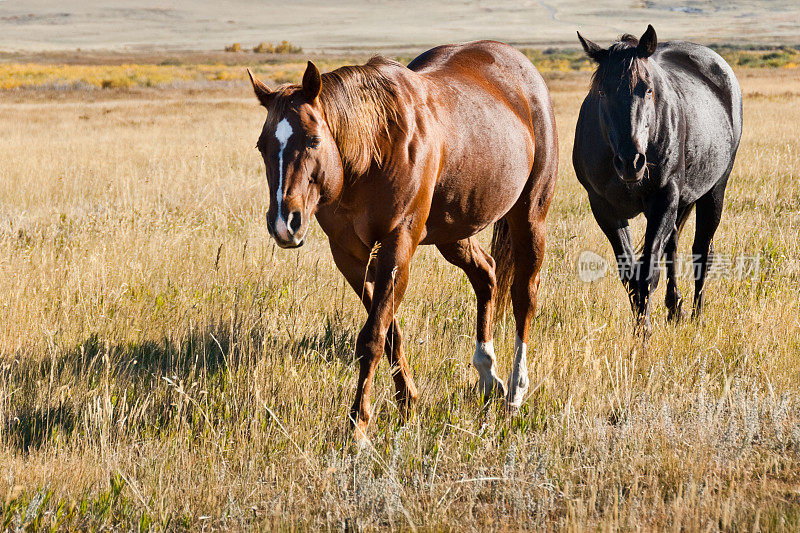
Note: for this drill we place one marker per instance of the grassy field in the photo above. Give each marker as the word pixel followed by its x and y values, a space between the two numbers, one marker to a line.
pixel 163 365
pixel 89 71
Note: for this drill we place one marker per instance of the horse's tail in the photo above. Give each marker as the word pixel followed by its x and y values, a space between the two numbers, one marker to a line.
pixel 504 265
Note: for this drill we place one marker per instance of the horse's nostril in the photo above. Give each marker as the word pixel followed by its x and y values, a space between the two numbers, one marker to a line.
pixel 639 162
pixel 295 221
pixel 619 164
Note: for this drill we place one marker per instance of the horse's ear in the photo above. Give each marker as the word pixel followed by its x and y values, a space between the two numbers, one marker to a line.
pixel 592 50
pixel 312 82
pixel 263 93
pixel 648 42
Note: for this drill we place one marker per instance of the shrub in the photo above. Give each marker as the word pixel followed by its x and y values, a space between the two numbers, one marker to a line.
pixel 235 47
pixel 264 48
pixel 284 47
pixel 287 48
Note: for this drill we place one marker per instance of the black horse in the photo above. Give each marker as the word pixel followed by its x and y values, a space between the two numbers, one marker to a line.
pixel 657 134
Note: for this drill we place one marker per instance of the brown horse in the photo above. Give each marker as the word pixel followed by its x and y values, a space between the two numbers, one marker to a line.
pixel 431 153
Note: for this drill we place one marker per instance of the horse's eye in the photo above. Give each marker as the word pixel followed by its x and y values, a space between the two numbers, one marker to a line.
pixel 602 93
pixel 313 141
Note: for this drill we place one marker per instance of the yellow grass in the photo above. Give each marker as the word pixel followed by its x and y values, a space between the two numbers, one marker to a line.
pixel 33 75
pixel 188 70
pixel 163 365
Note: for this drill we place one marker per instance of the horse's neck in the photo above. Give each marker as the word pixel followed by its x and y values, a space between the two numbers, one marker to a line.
pixel 667 107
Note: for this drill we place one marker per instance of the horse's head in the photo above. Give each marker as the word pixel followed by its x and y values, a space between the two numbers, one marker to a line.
pixel 623 84
pixel 302 161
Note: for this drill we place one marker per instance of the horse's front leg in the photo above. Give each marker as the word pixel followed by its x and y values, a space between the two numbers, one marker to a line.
pixel 661 215
pixel 618 233
pixel 352 262
pixel 391 279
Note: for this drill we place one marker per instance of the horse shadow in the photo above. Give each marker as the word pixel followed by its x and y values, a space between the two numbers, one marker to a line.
pixel 38 410
pixel 30 421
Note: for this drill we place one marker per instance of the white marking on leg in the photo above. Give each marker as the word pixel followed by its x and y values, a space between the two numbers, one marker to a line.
pixel 282 133
pixel 518 379
pixel 484 362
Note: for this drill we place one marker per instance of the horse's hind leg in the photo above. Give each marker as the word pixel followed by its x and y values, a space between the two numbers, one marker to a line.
pixel 527 238
pixel 405 390
pixel 709 213
pixel 479 268
pixel 673 297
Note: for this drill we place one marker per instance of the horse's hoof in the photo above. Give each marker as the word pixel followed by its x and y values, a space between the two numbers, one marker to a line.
pixel 406 413
pixel 518 384
pixel 405 404
pixel 357 445
pixel 642 327
pixel 358 428
pixel 361 442
pixel 513 408
pixel 490 390
pixel 360 438
pixel 677 316
pixel 675 312
pixel 514 399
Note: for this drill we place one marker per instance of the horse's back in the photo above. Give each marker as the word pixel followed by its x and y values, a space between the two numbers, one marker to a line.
pixel 500 80
pixel 479 57
pixel 490 65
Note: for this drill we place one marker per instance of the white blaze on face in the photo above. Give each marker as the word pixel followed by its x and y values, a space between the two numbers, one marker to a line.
pixel 518 380
pixel 282 133
pixel 484 362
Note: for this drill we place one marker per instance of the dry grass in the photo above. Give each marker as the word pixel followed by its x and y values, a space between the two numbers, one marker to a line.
pixel 86 70
pixel 163 365
pixel 127 75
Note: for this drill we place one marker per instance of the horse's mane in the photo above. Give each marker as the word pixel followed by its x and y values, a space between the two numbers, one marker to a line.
pixel 629 68
pixel 359 102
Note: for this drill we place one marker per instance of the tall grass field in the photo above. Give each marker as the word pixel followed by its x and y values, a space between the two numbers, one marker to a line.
pixel 165 366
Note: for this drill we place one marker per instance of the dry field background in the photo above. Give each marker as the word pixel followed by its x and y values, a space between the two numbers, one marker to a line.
pixel 369 25
pixel 66 72
pixel 163 365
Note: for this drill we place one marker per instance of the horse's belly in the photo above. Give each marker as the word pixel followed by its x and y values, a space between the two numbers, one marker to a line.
pixel 707 160
pixel 462 207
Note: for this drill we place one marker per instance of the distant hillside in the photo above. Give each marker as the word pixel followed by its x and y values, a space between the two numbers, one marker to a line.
pixel 369 25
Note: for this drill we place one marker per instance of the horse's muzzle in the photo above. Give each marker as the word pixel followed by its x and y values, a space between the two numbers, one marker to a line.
pixel 631 169
pixel 288 244
pixel 289 233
